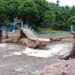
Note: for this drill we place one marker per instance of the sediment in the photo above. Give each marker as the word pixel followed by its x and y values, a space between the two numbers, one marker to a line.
pixel 62 67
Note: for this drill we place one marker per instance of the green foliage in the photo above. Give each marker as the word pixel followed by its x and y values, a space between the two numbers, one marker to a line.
pixel 28 11
pixel 37 13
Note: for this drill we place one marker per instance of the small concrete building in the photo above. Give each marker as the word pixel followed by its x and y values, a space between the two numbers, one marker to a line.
pixel 18 22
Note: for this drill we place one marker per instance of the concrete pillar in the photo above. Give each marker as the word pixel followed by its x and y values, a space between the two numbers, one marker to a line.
pixel 71 28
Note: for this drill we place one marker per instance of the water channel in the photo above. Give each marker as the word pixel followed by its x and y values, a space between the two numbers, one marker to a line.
pixel 18 60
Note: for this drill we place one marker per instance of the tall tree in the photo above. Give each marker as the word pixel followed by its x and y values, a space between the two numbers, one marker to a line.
pixel 12 8
pixel 28 11
pixel 2 10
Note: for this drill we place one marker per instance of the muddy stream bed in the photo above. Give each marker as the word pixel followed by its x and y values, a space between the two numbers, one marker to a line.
pixel 15 61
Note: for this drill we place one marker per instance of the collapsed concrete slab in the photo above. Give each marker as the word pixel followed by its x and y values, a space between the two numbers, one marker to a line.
pixel 39 41
pixel 29 34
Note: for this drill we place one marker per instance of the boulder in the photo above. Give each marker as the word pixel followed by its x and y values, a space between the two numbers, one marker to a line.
pixel 56 39
pixel 15 40
pixel 28 42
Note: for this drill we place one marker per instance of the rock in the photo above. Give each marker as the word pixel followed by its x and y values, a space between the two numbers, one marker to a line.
pixel 57 68
pixel 28 42
pixel 56 39
pixel 15 40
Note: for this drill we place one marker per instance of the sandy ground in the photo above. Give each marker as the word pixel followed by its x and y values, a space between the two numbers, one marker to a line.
pixel 62 67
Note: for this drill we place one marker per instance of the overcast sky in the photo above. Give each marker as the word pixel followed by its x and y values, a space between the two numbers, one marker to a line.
pixel 64 2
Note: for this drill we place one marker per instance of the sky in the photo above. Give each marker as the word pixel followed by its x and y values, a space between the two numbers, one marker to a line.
pixel 64 2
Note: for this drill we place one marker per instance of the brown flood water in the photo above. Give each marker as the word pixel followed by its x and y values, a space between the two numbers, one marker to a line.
pixel 21 64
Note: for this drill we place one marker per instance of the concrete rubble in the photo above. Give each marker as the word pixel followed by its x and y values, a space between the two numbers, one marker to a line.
pixel 24 37
pixel 27 37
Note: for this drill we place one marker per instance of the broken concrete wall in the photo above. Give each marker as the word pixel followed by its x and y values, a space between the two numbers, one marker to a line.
pixel 4 34
pixel 10 36
pixel 14 34
pixel 18 37
pixel 25 37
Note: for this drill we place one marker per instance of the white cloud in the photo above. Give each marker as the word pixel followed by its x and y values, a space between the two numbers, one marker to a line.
pixel 64 2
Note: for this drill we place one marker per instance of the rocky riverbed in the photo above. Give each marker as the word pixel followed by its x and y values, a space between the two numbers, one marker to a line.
pixel 62 67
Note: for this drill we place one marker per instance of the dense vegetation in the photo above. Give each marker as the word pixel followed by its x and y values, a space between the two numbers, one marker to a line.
pixel 37 13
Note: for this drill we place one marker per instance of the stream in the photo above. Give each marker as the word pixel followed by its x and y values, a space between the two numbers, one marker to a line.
pixel 20 60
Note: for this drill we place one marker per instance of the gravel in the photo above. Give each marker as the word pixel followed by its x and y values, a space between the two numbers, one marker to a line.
pixel 62 67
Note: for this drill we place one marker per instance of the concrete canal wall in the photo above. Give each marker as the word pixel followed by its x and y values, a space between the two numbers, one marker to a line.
pixel 18 36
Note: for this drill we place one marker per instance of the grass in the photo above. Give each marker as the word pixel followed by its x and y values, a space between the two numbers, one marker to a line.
pixel 47 30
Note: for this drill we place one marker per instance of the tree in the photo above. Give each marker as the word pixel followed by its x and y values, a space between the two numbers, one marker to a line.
pixel 36 13
pixel 12 9
pixel 63 17
pixel 42 7
pixel 2 10
pixel 48 19
pixel 28 11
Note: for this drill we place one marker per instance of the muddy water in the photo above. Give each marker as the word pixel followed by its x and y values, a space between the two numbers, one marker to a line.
pixel 22 64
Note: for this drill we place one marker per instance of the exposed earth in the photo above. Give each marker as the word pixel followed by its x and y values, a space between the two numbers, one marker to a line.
pixel 62 67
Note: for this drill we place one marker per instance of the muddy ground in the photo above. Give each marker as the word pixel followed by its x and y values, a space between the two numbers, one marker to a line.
pixel 62 67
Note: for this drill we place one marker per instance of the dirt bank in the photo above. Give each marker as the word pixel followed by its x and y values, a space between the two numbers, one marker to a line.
pixel 62 67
